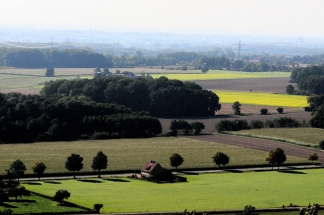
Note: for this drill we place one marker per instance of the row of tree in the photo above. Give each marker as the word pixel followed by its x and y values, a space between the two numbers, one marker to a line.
pixel 29 118
pixel 161 97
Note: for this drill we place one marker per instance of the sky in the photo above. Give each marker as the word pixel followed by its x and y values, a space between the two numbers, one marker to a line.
pixel 257 17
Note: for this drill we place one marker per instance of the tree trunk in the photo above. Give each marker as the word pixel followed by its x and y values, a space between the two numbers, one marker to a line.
pixel 99 176
pixel 74 174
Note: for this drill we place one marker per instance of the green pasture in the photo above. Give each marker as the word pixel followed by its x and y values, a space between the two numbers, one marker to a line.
pixel 223 74
pixel 202 192
pixel 36 204
pixel 130 154
pixel 303 136
pixel 266 99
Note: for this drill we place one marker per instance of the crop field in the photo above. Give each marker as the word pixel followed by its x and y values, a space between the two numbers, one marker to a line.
pixel 267 99
pixel 223 74
pixel 202 192
pixel 129 154
pixel 36 204
pixel 311 136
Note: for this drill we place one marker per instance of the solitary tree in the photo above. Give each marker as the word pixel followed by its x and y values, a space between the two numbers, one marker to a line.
pixel 49 72
pixel 313 157
pixel 60 195
pixel 236 106
pixel 176 160
pixel 97 207
pixel 280 110
pixel 99 162
pixel 276 157
pixel 17 168
pixel 39 168
pixel 197 127
pixel 290 89
pixel 74 163
pixel 220 159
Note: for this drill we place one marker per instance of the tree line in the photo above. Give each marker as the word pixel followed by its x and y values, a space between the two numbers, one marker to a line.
pixel 79 58
pixel 161 97
pixel 30 118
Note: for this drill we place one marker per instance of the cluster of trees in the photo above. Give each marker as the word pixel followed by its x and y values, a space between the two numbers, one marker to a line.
pixel 239 124
pixel 46 58
pixel 310 80
pixel 161 97
pixel 183 126
pixel 30 118
pixel 241 65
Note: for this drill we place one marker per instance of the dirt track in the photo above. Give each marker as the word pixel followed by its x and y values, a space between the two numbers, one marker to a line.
pixel 261 144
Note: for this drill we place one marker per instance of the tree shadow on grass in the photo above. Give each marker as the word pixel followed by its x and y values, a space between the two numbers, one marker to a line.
pixel 116 180
pixel 32 183
pixel 68 204
pixel 89 180
pixel 7 205
pixel 52 182
pixel 291 172
pixel 188 173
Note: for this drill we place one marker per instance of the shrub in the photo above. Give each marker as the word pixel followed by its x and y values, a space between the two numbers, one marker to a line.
pixel 60 195
pixel 236 106
pixel 97 207
pixel 280 110
pixel 256 124
pixel 321 144
pixel 235 125
pixel 282 122
pixel 100 136
pixel 264 111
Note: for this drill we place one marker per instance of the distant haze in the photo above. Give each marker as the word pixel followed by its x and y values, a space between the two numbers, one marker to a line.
pixel 260 17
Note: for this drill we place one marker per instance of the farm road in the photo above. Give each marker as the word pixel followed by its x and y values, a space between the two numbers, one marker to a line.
pixel 261 144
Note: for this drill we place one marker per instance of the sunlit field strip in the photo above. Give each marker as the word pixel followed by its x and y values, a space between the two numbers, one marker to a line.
pixel 221 74
pixel 223 191
pixel 267 99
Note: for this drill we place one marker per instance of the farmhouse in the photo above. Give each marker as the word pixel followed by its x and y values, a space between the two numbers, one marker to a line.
pixel 151 169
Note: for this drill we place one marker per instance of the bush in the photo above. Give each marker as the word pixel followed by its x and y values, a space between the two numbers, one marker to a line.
pixel 321 144
pixel 256 124
pixel 280 110
pixel 264 111
pixel 236 106
pixel 282 122
pixel 235 125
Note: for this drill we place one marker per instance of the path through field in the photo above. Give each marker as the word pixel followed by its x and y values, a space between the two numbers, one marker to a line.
pixel 261 144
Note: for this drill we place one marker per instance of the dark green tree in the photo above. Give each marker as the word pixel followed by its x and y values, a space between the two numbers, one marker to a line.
pixel 236 106
pixel 176 160
pixel 49 72
pixel 60 195
pixel 39 168
pixel 18 168
pixel 311 209
pixel 97 207
pixel 313 157
pixel 220 159
pixel 276 157
pixel 280 110
pixel 74 163
pixel 317 120
pixel 290 89
pixel 100 161
pixel 197 127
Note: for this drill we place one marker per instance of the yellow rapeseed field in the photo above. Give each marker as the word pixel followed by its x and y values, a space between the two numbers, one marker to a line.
pixel 267 99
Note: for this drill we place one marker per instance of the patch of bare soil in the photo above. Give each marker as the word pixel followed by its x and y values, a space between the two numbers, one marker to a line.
pixel 271 85
pixel 25 91
pixel 260 144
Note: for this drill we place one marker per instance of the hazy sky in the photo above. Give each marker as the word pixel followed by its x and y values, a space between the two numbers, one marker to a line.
pixel 271 17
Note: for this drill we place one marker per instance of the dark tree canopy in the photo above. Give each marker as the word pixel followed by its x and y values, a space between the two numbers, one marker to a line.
pixel 220 159
pixel 60 195
pixel 74 163
pixel 39 168
pixel 276 157
pixel 176 160
pixel 236 106
pixel 18 168
pixel 161 97
pixel 100 161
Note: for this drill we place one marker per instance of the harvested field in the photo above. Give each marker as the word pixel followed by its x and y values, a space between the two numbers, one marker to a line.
pixel 261 144
pixel 211 121
pixel 277 85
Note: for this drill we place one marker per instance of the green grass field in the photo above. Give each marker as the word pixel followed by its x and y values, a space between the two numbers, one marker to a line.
pixel 201 192
pixel 310 136
pixel 129 154
pixel 267 99
pixel 37 204
pixel 223 74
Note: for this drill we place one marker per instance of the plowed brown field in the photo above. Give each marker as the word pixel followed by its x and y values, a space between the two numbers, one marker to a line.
pixel 260 144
